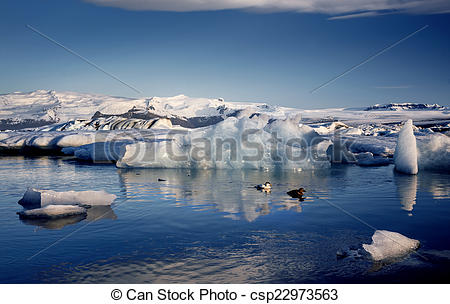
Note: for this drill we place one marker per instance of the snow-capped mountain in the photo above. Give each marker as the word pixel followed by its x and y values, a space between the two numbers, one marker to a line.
pixel 405 106
pixel 47 110
pixel 42 107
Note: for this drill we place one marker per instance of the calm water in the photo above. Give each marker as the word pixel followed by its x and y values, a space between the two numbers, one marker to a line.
pixel 212 226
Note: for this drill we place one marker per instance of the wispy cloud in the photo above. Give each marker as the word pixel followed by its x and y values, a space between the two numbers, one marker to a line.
pixel 394 87
pixel 359 15
pixel 347 8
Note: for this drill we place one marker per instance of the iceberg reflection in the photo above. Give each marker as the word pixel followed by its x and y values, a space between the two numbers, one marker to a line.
pixel 406 190
pixel 230 192
pixel 94 213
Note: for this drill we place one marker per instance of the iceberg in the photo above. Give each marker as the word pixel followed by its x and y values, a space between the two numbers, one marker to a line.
pixel 236 142
pixel 34 198
pixel 405 155
pixel 52 212
pixel 338 153
pixel 389 245
pixel 434 153
pixel 101 152
pixel 139 132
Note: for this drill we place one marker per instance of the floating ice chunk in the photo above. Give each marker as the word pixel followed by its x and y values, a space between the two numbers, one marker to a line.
pixel 349 252
pixel 233 143
pixel 338 153
pixel 82 154
pixel 434 153
pixel 97 152
pixel 405 156
pixel 350 131
pixel 76 140
pixel 34 198
pixel 52 212
pixel 379 146
pixel 44 140
pixel 367 159
pixel 328 127
pixel 388 245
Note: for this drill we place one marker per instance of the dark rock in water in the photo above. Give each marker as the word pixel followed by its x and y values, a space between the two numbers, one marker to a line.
pixel 161 180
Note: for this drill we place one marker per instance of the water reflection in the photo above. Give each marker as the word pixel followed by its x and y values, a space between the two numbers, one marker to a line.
pixel 56 224
pixel 434 184
pixel 94 213
pixel 291 204
pixel 263 257
pixel 231 192
pixel 165 235
pixel 426 182
pixel 406 190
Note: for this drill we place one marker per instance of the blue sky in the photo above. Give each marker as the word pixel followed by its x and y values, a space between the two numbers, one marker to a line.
pixel 268 54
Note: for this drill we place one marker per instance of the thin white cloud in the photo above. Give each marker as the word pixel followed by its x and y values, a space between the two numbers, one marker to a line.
pixel 348 8
pixel 358 15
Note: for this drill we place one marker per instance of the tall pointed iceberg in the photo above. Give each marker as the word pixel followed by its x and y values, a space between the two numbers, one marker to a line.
pixel 405 156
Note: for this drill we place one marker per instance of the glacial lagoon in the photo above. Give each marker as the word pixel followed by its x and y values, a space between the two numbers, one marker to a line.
pixel 204 226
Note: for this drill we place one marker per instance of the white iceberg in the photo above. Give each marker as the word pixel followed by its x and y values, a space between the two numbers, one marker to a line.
pixel 34 198
pixel 405 156
pixel 388 245
pixel 52 212
pixel 101 152
pixel 243 142
pixel 434 153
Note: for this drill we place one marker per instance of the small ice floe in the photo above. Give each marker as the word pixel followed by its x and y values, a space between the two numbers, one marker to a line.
pixel 390 245
pixel 350 252
pixel 52 212
pixel 34 198
pixel 405 156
